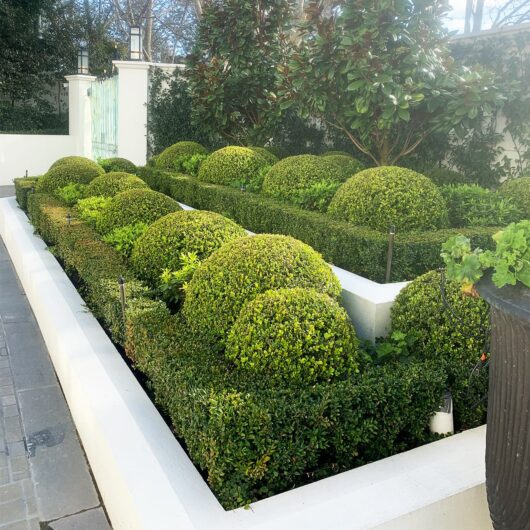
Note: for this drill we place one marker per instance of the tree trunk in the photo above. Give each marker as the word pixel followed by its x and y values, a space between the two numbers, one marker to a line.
pixel 149 31
pixel 477 16
pixel 469 15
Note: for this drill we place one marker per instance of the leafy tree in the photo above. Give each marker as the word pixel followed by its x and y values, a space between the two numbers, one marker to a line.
pixel 232 70
pixel 379 71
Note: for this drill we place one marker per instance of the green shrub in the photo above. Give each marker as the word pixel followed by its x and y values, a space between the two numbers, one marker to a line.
pixel 192 165
pixel 173 157
pixel 23 187
pixel 116 164
pixel 124 237
pixel 73 169
pixel 135 206
pixel 471 205
pixel 71 193
pixel 173 283
pixel 112 183
pixel 518 190
pixel 454 334
pixel 91 209
pixel 385 196
pixel 269 157
pixel 443 176
pixel 307 180
pixel 293 335
pixel 186 231
pixel 241 269
pixel 335 153
pixel 346 165
pixel 353 248
pixel 232 165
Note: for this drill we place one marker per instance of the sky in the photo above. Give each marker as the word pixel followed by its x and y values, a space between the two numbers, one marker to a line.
pixel 456 18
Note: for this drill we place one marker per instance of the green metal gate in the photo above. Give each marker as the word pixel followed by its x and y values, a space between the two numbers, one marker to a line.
pixel 104 110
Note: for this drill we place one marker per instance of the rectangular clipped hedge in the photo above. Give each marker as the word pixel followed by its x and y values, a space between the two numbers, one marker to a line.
pixel 23 187
pixel 251 441
pixel 360 250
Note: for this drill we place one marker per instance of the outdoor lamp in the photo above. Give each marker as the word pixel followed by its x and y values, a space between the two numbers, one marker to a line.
pixel 82 59
pixel 135 43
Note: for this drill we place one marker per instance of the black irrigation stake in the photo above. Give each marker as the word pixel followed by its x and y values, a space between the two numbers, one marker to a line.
pixel 123 301
pixel 390 252
pixel 68 219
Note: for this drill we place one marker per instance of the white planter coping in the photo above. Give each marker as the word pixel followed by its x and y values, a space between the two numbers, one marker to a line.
pixel 368 303
pixel 148 482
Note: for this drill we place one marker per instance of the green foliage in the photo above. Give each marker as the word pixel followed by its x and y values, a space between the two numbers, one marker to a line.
pixel 32 118
pixel 124 237
pixel 346 164
pixel 192 165
pixel 242 269
pixel 443 176
pixel 116 164
pixel 71 169
pixel 367 69
pixel 173 157
pixel 510 260
pixel 385 196
pixel 114 182
pixel 172 285
pixel 471 205
pixel 135 206
pixel 335 153
pixel 91 209
pixel 307 180
pixel 357 249
pixel 232 70
pixel 23 187
pixel 518 190
pixel 163 244
pixel 453 334
pixel 231 165
pixel 71 193
pixel 269 157
pixel 295 336
pixel 398 346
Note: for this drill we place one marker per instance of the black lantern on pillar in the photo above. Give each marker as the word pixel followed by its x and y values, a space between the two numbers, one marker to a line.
pixel 135 43
pixel 82 59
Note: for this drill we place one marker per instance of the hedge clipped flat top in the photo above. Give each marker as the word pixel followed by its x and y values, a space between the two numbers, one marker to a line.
pixel 134 206
pixel 161 246
pixel 110 184
pixel 385 196
pixel 232 165
pixel 69 170
pixel 246 267
pixel 117 164
pixel 173 156
pixel 518 190
pixel 293 335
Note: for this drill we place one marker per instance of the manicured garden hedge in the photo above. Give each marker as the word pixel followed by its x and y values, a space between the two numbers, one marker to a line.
pixel 360 250
pixel 23 187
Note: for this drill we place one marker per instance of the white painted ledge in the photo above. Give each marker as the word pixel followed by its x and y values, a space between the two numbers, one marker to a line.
pixel 146 479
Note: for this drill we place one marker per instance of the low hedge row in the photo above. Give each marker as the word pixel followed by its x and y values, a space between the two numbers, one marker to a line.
pixel 23 187
pixel 360 250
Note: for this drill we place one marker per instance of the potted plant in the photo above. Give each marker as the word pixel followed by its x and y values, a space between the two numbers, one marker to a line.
pixel 502 278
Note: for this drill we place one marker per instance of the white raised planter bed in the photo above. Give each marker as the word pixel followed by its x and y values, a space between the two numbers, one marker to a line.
pixel 148 482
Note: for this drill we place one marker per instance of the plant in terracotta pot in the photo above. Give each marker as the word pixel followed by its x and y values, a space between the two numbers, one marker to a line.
pixel 502 277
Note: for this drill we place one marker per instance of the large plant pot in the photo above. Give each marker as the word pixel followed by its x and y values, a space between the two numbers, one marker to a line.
pixel 508 430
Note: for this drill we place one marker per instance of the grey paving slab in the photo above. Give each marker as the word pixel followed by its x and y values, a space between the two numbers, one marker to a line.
pixel 7 191
pixel 91 519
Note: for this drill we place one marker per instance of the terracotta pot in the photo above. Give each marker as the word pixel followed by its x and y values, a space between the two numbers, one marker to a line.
pixel 508 431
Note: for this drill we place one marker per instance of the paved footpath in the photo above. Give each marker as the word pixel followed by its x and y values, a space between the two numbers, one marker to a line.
pixel 45 481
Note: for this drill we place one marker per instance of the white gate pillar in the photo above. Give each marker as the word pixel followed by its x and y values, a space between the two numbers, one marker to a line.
pixel 79 113
pixel 132 110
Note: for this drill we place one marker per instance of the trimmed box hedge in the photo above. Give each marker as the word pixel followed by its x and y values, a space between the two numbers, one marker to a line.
pixel 360 250
pixel 23 187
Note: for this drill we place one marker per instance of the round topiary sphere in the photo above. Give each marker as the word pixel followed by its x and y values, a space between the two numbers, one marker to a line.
pixel 380 197
pixel 111 165
pixel 334 153
pixel 301 178
pixel 346 165
pixel 269 157
pixel 294 336
pixel 455 340
pixel 518 190
pixel 162 244
pixel 232 165
pixel 245 268
pixel 175 155
pixel 69 170
pixel 135 206
pixel 443 176
pixel 110 184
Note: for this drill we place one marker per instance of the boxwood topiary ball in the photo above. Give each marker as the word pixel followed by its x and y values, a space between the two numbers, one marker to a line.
pixel 232 165
pixel 246 267
pixel 346 165
pixel 334 153
pixel 294 336
pixel 68 170
pixel 269 157
pixel 134 206
pixel 165 240
pixel 111 165
pixel 173 157
pixel 518 190
pixel 110 184
pixel 380 197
